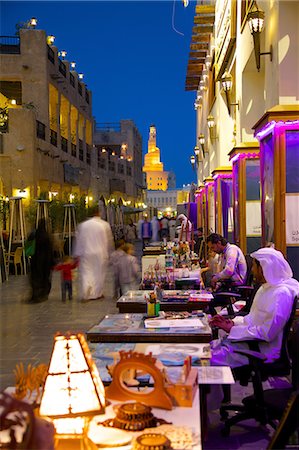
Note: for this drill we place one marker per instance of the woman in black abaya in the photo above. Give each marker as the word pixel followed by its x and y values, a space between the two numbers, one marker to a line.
pixel 41 264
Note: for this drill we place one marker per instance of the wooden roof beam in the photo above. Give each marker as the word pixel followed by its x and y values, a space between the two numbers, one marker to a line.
pixel 198 55
pixel 207 19
pixel 205 9
pixel 203 29
pixel 200 46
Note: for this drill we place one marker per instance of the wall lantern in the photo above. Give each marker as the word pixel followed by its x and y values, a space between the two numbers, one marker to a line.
pixel 192 160
pixel 63 54
pixel 50 39
pixel 201 139
pixel 81 76
pixel 73 65
pixel 212 127
pixel 255 19
pixel 227 84
pixel 33 22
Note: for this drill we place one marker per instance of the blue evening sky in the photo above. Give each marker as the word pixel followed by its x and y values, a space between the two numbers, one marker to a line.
pixel 133 61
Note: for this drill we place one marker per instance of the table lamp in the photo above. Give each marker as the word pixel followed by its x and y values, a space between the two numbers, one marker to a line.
pixel 73 392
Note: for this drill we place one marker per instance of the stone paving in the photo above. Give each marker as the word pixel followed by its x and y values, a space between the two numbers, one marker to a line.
pixel 27 336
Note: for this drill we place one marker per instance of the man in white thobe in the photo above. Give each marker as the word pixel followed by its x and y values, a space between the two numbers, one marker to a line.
pixel 94 244
pixel 186 228
pixel 270 310
pixel 155 229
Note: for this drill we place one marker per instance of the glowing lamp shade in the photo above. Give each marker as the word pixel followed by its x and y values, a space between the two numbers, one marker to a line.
pixel 73 391
pixel 256 19
pixel 227 82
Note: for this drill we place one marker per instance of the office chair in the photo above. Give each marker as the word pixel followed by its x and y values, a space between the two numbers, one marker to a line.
pixel 288 424
pixel 257 371
pixel 245 292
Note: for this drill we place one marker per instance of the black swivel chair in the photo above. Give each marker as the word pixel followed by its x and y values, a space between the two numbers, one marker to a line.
pixel 244 292
pixel 287 426
pixel 257 371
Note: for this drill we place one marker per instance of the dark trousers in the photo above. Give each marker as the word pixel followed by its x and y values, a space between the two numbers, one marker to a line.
pixel 66 287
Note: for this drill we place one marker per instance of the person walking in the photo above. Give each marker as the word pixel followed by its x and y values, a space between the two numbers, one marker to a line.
pixel 94 244
pixel 66 268
pixel 130 232
pixel 126 268
pixel 164 228
pixel 41 263
pixel 155 229
pixel 146 232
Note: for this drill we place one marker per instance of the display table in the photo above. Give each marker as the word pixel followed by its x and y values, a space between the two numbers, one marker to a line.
pixel 181 417
pixel 134 301
pixel 130 328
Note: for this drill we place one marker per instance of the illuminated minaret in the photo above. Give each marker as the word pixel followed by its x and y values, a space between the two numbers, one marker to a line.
pixel 156 177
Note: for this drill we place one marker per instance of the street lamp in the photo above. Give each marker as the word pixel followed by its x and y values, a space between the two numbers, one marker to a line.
pixel 201 140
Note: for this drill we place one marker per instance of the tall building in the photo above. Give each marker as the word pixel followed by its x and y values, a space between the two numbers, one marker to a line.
pixel 47 130
pixel 119 152
pixel 156 177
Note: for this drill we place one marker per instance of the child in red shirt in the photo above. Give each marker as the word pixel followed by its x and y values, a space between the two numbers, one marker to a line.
pixel 66 268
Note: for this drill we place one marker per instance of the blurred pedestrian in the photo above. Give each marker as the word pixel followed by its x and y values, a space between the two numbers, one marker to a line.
pixel 155 229
pixel 94 243
pixel 127 269
pixel 172 228
pixel 164 228
pixel 146 231
pixel 66 268
pixel 130 231
pixel 41 263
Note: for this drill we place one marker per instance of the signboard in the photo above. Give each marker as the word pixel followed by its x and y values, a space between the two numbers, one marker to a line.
pixel 292 223
pixel 253 219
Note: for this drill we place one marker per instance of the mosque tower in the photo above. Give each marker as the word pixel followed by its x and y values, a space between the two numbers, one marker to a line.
pixel 156 177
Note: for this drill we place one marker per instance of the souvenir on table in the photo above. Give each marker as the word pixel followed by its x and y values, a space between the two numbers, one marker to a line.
pixel 163 394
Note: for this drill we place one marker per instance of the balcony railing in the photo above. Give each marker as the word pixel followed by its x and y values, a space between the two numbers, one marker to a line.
pixel 80 88
pixel 73 149
pixel 107 126
pixel 72 79
pixel 51 55
pixel 62 68
pixel 88 154
pixel 10 45
pixel 87 96
pixel 53 137
pixel 64 144
pixel 81 150
pixel 40 130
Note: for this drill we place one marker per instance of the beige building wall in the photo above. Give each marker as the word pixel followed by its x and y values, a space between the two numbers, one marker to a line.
pixel 36 153
pixel 253 91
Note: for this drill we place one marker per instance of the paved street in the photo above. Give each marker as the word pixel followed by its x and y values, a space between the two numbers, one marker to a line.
pixel 27 329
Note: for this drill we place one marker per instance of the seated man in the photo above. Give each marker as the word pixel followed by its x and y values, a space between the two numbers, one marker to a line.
pixel 233 267
pixel 269 312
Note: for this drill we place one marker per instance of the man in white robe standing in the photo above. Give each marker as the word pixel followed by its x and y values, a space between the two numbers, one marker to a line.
pixel 94 244
pixel 155 229
pixel 270 311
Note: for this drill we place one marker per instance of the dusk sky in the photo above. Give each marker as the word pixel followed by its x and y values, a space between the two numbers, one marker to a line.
pixel 133 61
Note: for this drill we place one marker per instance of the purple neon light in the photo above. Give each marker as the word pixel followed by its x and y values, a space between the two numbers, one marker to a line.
pixel 269 127
pixel 222 175
pixel 244 155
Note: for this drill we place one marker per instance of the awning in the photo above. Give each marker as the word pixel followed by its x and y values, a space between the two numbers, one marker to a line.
pixel 131 210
